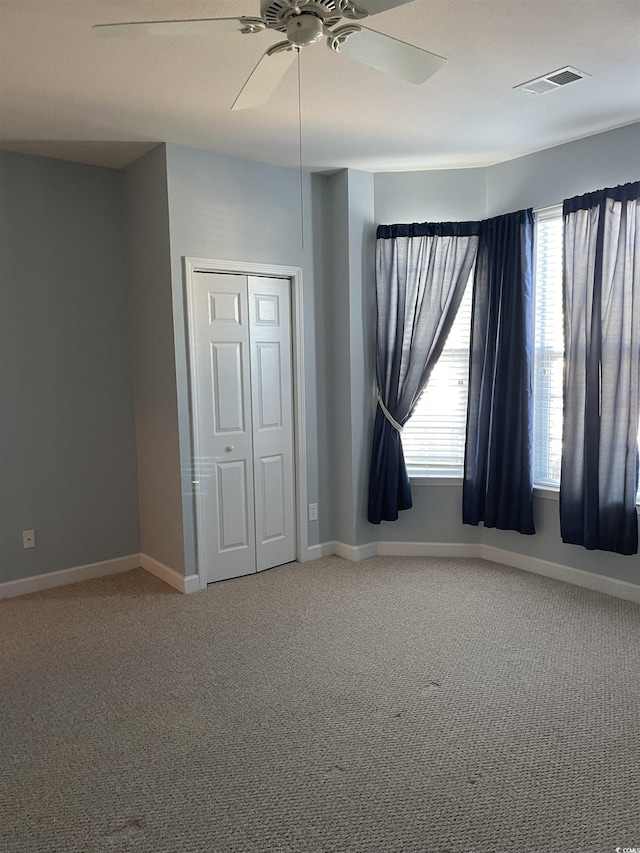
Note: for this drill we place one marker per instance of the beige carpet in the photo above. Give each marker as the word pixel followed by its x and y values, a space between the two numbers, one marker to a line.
pixel 405 705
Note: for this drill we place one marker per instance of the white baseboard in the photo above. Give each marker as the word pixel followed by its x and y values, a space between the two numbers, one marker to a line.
pixel 188 584
pixel 578 577
pixel 191 583
pixel 9 589
pixel 315 552
pixel 428 549
pixel 355 553
pixel 400 549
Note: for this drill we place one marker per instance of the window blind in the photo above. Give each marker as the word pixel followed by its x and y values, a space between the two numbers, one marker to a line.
pixel 433 438
pixel 549 349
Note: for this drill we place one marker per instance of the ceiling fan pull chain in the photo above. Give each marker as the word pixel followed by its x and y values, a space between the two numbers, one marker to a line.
pixel 300 152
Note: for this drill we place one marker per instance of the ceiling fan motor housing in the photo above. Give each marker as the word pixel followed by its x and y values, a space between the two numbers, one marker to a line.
pixel 304 29
pixel 277 14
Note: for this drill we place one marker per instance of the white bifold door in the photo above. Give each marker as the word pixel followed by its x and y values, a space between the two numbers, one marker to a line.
pixel 243 413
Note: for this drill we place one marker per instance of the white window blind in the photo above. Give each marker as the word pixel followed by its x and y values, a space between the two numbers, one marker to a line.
pixel 549 349
pixel 433 438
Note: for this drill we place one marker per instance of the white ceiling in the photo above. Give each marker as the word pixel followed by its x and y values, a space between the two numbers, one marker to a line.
pixel 66 93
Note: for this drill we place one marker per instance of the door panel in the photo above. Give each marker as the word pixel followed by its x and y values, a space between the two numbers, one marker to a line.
pixel 272 414
pixel 272 524
pixel 224 471
pixel 266 310
pixel 269 379
pixel 233 509
pixel 224 307
pixel 227 388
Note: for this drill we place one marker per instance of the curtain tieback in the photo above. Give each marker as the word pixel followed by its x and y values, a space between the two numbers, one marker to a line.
pixel 394 423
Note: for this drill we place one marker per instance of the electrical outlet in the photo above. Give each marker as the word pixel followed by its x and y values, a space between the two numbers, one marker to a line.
pixel 313 512
pixel 28 539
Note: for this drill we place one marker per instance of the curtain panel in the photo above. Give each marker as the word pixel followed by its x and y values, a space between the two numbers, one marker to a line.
pixel 599 472
pixel 498 474
pixel 421 273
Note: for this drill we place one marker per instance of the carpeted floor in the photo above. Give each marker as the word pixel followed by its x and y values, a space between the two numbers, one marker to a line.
pixel 392 706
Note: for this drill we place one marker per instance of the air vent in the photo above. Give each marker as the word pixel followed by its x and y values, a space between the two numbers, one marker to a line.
pixel 553 80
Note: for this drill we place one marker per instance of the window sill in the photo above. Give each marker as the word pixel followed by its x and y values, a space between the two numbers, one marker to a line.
pixel 435 480
pixel 547 492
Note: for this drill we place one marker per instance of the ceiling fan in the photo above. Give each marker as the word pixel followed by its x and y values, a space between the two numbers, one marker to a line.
pixel 304 22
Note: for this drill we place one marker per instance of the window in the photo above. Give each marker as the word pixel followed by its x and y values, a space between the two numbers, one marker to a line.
pixel 549 349
pixel 433 438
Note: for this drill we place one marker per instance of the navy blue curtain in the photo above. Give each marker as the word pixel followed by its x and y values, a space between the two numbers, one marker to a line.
pixel 421 273
pixel 599 474
pixel 498 476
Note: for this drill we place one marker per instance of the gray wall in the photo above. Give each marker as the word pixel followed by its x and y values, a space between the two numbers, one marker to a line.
pixel 151 309
pixel 229 209
pixel 362 310
pixel 436 516
pixel 548 177
pixel 351 323
pixel 448 195
pixel 67 440
pixel 321 411
pixel 338 328
pixel 442 196
pixel 537 180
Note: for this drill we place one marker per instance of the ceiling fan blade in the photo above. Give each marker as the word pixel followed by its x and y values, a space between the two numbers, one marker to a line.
pixel 390 55
pixel 193 27
pixel 265 77
pixel 375 6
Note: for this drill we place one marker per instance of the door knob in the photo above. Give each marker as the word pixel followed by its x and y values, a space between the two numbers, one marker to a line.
pixel 229 448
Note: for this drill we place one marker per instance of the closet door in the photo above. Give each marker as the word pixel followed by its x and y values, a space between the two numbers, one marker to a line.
pixel 272 411
pixel 243 417
pixel 224 469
